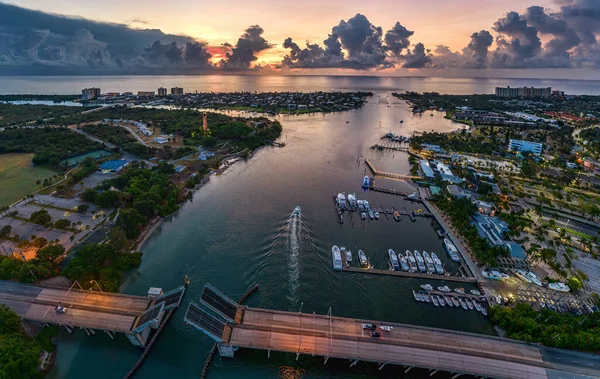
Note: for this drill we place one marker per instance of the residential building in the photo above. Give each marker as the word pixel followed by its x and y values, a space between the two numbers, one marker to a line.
pixel 456 191
pixel 145 94
pixel 90 93
pixel 176 91
pixel 162 92
pixel 491 228
pixel 525 92
pixel 521 146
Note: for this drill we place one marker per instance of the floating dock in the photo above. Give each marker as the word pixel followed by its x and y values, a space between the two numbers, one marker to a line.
pixel 420 275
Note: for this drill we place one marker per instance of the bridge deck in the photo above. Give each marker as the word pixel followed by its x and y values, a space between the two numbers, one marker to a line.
pixel 405 345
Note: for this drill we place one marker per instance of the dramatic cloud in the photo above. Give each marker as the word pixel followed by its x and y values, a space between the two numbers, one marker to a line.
pixel 245 50
pixel 417 58
pixel 518 42
pixel 397 39
pixel 479 45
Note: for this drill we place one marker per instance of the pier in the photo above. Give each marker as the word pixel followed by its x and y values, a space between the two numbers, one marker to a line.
pixel 389 175
pixel 420 275
pixel 379 146
pixel 233 326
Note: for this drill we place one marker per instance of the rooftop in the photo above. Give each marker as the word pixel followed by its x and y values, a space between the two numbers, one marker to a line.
pixel 113 165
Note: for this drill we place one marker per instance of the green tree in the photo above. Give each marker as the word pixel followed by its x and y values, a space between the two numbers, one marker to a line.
pixel 41 217
pixel 50 254
pixel 131 221
pixel 82 208
pixel 5 231
pixel 89 195
pixel 62 224
pixel 575 284
pixel 107 199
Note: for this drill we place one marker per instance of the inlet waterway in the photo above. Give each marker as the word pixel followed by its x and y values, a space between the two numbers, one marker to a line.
pixel 237 231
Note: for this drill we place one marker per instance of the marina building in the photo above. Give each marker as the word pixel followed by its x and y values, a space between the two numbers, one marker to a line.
pixel 90 93
pixel 162 92
pixel 521 146
pixel 525 92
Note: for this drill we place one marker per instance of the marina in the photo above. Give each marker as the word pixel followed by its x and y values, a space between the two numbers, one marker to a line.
pixel 363 206
pixel 373 271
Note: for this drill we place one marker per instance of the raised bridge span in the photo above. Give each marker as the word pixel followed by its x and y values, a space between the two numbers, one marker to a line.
pixel 233 326
pixel 90 310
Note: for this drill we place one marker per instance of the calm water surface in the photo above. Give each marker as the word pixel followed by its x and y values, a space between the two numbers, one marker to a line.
pixel 236 232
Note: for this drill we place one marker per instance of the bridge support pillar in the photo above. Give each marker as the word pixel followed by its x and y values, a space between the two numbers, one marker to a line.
pixel 326 359
pixel 433 372
pixel 382 365
pixel 92 331
pixel 110 334
pixel 226 350
pixel 269 353
pixel 297 356
pixel 87 331
pixel 408 369
pixel 354 363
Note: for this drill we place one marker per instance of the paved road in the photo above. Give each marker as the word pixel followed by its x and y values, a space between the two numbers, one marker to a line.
pixel 19 289
pixel 571 361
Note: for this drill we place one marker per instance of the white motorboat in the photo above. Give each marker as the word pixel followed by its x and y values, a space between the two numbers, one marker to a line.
pixel 348 257
pixel 484 311
pixel 494 274
pixel 477 306
pixel 364 262
pixel 376 215
pixel 522 274
pixel 451 250
pixel 559 287
pixel 448 301
pixel 366 182
pixel 437 264
pixel 412 263
pixel 341 200
pixel 427 287
pixel 420 261
pixel 366 204
pixel 444 289
pixel 363 216
pixel 463 304
pixel 352 200
pixel 297 211
pixel 371 214
pixel 441 301
pixel 393 260
pixel 455 301
pixel 417 297
pixel 337 258
pixel 435 300
pixel 534 278
pixel 469 304
pixel 403 262
pixel 360 204
pixel 460 290
pixel 428 263
pixel 475 292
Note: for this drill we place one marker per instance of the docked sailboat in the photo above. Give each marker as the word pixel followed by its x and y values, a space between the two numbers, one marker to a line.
pixel 412 262
pixel 341 200
pixel 451 250
pixel 437 264
pixel 352 200
pixel 362 257
pixel 420 261
pixel 403 262
pixel 428 263
pixel 393 260
pixel 337 258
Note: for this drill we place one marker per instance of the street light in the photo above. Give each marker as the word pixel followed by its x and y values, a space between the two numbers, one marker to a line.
pixel 93 281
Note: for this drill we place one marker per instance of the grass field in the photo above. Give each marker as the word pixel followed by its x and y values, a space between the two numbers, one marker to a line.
pixel 18 177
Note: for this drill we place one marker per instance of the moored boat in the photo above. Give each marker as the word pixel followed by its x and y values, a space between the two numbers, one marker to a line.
pixel 559 287
pixel 522 274
pixel 297 211
pixel 444 289
pixel 427 287
pixel 428 263
pixel 393 260
pixel 437 264
pixel 475 292
pixel 337 258
pixel 451 250
pixel 494 274
pixel 348 257
pixel 463 304
pixel 448 301
pixel 469 304
pixel 477 306
pixel 403 262
pixel 460 290
pixel 362 257
pixel 376 215
pixel 534 278
pixel 366 182
pixel 360 204
pixel 341 200
pixel 352 200
pixel 412 263
pixel 420 261
pixel 371 214
pixel 441 301
pixel 363 216
pixel 396 215
pixel 366 204
pixel 455 301
pixel 435 300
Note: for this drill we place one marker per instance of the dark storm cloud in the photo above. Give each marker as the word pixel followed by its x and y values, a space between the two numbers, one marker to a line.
pixel 565 38
pixel 37 42
pixel 584 17
pixel 417 57
pixel 397 39
pixel 518 42
pixel 479 45
pixel 245 50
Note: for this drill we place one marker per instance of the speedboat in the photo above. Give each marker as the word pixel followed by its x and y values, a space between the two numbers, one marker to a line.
pixel 494 274
pixel 437 264
pixel 428 263
pixel 403 262
pixel 451 250
pixel 352 200
pixel 366 182
pixel 348 257
pixel 463 304
pixel 396 215
pixel 393 260
pixel 484 311
pixel 420 261
pixel 559 287
pixel 341 200
pixel 412 263
pixel 441 301
pixel 475 292
pixel 337 258
pixel 455 301
pixel 534 278
pixel 435 300
pixel 522 274
pixel 427 287
pixel 376 215
pixel 363 216
pixel 371 214
pixel 469 304
pixel 364 262
pixel 360 204
pixel 460 290
pixel 367 206
pixel 444 289
pixel 477 306
pixel 448 301
pixel 297 211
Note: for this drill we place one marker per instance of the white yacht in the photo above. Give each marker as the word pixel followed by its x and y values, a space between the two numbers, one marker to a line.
pixel 451 250
pixel 366 182
pixel 437 264
pixel 337 258
pixel 360 204
pixel 444 289
pixel 393 260
pixel 348 257
pixel 364 262
pixel 559 287
pixel 427 287
pixel 297 211
pixel 363 216
pixel 376 215
pixel 403 262
pixel 494 274
pixel 420 261
pixel 367 206
pixel 341 200
pixel 352 200
pixel 534 278
pixel 428 263
pixel 412 262
pixel 528 277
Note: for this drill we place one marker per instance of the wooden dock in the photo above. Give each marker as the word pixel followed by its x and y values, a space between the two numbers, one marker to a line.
pixel 389 175
pixel 379 146
pixel 420 275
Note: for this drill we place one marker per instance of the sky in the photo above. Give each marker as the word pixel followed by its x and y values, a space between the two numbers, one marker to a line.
pixel 423 34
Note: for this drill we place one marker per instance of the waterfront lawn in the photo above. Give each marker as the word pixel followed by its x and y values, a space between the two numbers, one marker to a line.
pixel 18 177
